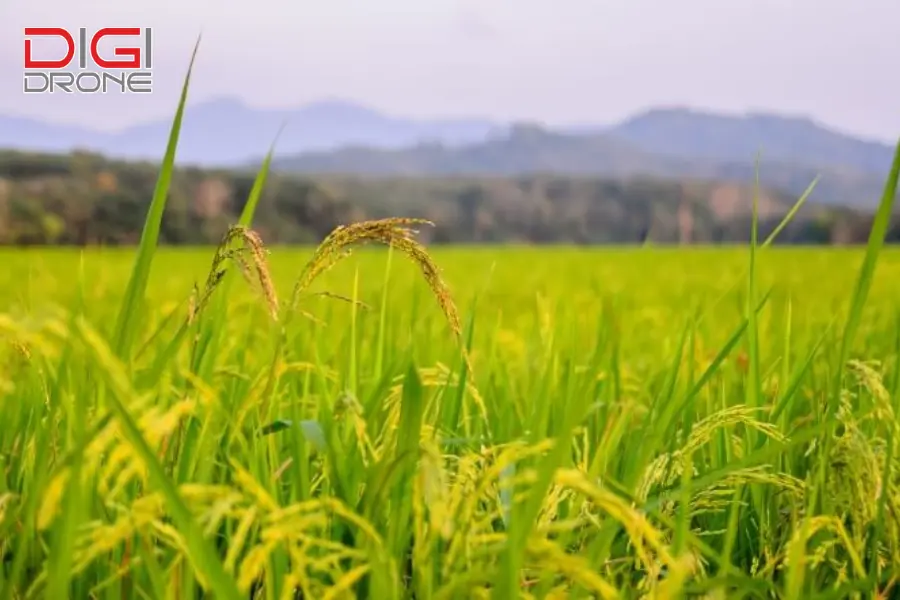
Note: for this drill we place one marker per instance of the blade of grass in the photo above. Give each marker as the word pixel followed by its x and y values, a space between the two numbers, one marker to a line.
pixel 867 270
pixel 129 311
pixel 770 239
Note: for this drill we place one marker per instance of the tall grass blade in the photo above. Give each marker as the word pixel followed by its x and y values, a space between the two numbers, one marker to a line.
pixel 867 270
pixel 132 302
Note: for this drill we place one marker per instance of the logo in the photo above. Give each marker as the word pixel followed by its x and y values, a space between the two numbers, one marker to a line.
pixel 111 60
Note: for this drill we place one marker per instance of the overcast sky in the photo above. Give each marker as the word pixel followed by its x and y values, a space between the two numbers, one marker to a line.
pixel 555 61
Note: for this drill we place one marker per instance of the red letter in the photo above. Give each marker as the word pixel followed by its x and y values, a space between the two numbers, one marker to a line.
pixel 134 53
pixel 30 63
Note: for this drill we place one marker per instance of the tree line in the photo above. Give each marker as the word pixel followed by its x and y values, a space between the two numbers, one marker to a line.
pixel 86 199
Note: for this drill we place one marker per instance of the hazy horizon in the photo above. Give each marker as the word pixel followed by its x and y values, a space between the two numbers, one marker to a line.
pixel 62 121
pixel 567 63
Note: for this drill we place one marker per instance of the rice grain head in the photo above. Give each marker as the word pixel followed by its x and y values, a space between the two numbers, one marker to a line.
pixel 395 232
pixel 235 246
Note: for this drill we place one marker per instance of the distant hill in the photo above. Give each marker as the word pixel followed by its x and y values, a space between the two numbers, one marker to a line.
pixel 343 137
pixel 229 132
pixel 530 149
pixel 800 140
pixel 524 149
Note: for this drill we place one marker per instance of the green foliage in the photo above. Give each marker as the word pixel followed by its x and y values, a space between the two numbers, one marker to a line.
pixel 547 341
pixel 101 201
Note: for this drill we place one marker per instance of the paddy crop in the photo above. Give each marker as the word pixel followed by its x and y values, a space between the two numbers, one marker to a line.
pixel 452 423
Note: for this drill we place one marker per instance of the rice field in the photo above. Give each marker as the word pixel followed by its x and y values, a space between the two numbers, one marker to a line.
pixel 692 462
pixel 459 423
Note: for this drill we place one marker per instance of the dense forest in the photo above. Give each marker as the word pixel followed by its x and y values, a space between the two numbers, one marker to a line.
pixel 86 199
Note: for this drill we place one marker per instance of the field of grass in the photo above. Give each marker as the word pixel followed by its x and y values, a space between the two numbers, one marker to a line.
pixel 618 354
pixel 556 423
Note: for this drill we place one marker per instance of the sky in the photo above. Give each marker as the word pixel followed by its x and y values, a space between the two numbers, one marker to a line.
pixel 559 62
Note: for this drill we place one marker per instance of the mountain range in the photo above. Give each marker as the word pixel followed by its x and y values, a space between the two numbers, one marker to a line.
pixel 344 137
pixel 227 132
